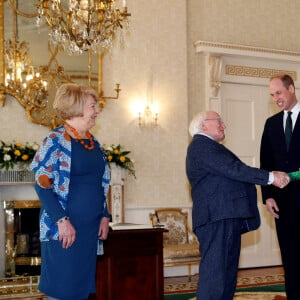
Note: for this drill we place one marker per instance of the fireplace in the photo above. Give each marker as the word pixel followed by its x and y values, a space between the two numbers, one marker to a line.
pixel 22 245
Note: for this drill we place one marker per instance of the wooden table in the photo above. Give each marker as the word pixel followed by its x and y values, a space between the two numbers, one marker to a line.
pixel 131 267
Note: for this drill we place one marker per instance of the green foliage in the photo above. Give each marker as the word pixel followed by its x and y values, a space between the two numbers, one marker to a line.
pixel 116 154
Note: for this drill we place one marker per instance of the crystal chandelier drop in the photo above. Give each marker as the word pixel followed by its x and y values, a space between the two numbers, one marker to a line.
pixel 81 25
pixel 21 79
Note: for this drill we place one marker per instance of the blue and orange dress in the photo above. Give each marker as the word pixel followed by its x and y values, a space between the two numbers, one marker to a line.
pixel 73 182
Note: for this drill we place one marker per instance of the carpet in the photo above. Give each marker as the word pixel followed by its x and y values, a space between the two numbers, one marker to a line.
pixel 270 287
pixel 238 296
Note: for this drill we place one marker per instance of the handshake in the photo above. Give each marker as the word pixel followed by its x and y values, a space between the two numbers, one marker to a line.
pixel 281 179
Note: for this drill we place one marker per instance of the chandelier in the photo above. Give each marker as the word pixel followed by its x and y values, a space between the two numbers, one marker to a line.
pixel 21 80
pixel 81 25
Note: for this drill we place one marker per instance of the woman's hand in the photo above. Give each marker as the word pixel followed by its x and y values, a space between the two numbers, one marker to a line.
pixel 103 229
pixel 67 233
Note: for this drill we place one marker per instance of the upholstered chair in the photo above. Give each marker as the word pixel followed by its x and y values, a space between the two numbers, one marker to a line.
pixel 181 246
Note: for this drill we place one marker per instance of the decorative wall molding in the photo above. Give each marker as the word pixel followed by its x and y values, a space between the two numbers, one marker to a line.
pixel 215 63
pixel 235 70
pixel 243 50
pixel 225 62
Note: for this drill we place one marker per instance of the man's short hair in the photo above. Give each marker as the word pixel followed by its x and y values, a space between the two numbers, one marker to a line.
pixel 286 79
pixel 195 125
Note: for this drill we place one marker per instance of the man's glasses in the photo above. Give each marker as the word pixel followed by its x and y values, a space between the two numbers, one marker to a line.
pixel 219 120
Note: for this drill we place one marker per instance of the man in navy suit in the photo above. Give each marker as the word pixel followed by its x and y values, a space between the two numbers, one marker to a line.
pixel 224 204
pixel 284 155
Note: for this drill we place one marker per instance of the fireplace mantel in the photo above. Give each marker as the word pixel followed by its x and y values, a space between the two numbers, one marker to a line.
pixel 21 237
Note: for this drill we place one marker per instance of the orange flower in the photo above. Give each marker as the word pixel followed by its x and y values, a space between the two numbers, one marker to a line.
pixel 109 157
pixel 24 157
pixel 122 158
pixel 17 152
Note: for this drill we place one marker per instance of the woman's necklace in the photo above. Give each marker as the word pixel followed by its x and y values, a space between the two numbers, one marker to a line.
pixel 79 139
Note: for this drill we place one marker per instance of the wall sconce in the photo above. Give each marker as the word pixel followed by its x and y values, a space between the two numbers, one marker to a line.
pixel 148 115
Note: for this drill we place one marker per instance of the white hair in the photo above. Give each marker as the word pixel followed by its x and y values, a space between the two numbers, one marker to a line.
pixel 195 125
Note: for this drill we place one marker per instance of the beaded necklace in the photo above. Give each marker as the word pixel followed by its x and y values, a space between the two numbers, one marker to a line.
pixel 79 139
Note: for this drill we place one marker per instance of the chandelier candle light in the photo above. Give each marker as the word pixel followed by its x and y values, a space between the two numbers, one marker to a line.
pixel 21 80
pixel 81 25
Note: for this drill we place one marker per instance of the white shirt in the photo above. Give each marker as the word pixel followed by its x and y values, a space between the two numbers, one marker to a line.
pixel 295 111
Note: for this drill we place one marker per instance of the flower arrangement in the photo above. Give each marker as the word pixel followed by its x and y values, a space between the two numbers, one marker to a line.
pixel 13 153
pixel 116 154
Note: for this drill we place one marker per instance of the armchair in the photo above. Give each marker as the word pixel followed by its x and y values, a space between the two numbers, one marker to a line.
pixel 181 246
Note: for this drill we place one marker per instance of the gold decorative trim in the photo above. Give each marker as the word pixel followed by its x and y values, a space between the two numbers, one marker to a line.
pixel 244 48
pixel 235 70
pixel 28 261
pixel 2 68
pixel 20 288
pixel 13 204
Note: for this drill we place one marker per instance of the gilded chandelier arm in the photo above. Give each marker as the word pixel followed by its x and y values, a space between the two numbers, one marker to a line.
pixel 16 10
pixel 2 62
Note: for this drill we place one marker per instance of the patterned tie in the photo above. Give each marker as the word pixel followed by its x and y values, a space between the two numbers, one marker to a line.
pixel 288 129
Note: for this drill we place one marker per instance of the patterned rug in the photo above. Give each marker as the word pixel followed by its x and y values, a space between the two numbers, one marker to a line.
pixel 259 280
pixel 239 296
pixel 260 296
pixel 182 286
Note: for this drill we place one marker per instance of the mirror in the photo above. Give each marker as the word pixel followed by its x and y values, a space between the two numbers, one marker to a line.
pixel 55 67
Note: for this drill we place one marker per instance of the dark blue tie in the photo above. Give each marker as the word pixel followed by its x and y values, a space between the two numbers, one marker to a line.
pixel 288 129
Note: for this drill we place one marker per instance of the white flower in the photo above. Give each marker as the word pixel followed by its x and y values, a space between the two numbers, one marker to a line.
pixel 6 149
pixel 6 157
pixel 35 147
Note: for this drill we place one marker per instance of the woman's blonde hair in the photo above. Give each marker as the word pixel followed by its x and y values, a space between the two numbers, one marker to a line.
pixel 70 99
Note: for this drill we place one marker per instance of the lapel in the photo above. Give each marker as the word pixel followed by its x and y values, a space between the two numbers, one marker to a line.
pixel 297 126
pixel 296 133
pixel 278 131
pixel 279 126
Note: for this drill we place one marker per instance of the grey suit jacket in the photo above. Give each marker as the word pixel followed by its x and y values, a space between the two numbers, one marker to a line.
pixel 223 187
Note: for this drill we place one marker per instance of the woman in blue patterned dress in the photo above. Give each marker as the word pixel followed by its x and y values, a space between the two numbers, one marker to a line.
pixel 72 180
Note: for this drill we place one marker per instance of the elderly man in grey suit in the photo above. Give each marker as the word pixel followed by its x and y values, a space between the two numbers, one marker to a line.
pixel 224 204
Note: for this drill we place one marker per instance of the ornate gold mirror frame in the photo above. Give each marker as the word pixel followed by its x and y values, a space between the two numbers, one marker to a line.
pixel 41 112
pixel 2 69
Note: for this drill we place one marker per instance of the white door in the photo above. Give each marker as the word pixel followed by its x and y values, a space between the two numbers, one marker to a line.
pixel 244 110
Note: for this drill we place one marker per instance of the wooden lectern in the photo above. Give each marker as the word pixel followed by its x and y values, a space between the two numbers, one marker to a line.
pixel 132 266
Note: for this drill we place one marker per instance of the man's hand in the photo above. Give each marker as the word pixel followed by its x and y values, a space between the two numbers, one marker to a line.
pixel 272 207
pixel 281 179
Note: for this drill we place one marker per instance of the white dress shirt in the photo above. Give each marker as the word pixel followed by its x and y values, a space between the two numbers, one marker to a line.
pixel 295 111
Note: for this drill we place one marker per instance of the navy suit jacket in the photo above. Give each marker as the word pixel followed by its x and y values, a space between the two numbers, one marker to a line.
pixel 274 156
pixel 223 187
